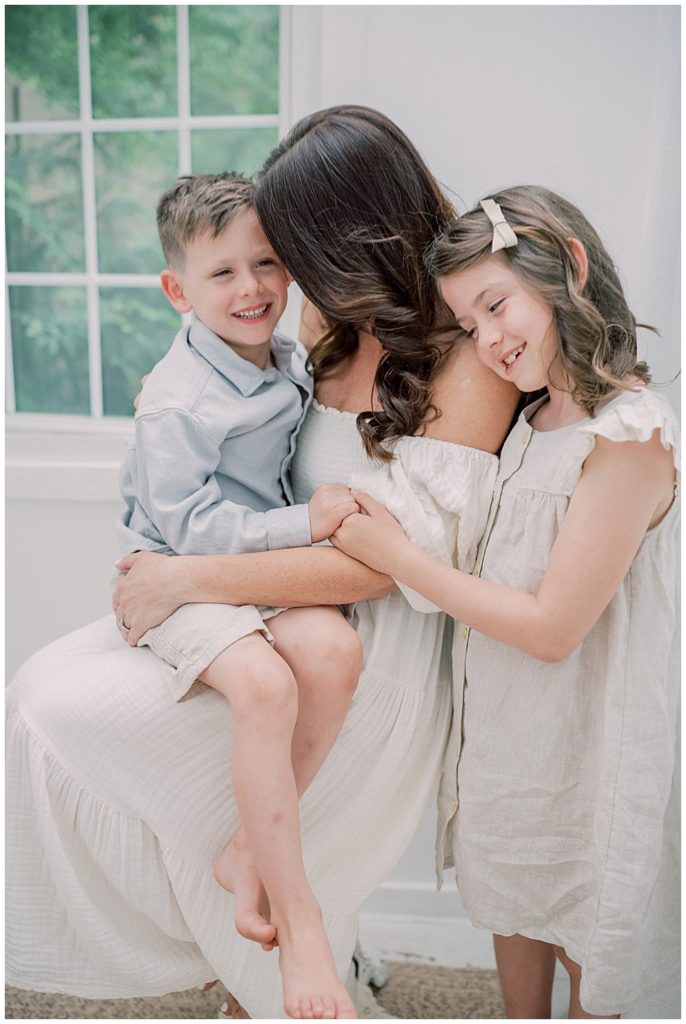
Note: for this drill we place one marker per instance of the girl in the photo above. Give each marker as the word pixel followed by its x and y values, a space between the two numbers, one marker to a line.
pixel 566 689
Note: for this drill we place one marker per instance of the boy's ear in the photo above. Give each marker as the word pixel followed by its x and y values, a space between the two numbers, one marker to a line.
pixel 289 277
pixel 579 254
pixel 172 286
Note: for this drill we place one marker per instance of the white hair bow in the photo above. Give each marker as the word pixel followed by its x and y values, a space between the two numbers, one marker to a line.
pixel 503 235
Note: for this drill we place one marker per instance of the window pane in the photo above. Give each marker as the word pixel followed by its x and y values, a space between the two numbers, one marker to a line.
pixel 133 60
pixel 133 169
pixel 44 219
pixel 41 63
pixel 137 327
pixel 50 349
pixel 234 59
pixel 235 149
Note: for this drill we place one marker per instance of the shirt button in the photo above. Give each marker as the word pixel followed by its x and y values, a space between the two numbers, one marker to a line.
pixel 525 437
pixel 453 805
pixel 464 632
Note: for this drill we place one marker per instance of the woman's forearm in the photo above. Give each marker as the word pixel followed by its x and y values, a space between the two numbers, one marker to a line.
pixel 295 577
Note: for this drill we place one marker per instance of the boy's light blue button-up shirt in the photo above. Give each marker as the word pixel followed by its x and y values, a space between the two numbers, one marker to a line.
pixel 208 469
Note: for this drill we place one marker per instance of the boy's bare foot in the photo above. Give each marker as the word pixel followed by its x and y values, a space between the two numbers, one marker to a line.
pixel 235 871
pixel 311 986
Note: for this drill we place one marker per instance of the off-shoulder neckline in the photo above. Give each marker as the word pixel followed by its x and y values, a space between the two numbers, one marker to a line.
pixel 409 439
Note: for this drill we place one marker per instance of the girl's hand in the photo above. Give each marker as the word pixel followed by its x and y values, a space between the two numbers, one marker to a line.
pixel 148 594
pixel 374 537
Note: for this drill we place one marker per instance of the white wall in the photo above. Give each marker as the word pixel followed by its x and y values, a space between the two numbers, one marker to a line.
pixel 584 100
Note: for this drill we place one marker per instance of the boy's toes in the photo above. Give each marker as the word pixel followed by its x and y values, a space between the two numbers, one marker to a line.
pixel 305 1009
pixel 328 1008
pixel 317 1007
pixel 346 1010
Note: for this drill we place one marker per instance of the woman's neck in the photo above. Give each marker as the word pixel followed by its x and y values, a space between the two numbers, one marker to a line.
pixel 350 387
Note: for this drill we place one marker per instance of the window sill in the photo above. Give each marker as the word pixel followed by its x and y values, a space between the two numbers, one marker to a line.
pixel 64 458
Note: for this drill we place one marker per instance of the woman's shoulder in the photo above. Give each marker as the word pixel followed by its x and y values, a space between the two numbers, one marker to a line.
pixel 476 406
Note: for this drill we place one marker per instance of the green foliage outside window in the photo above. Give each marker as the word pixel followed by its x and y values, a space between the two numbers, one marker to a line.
pixel 234 69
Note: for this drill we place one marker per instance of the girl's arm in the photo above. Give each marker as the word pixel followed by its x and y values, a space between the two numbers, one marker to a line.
pixel 156 585
pixel 625 488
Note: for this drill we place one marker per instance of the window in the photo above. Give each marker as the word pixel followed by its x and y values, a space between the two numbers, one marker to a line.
pixel 105 106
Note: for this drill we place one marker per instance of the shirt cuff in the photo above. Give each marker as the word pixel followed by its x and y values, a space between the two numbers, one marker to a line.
pixel 288 527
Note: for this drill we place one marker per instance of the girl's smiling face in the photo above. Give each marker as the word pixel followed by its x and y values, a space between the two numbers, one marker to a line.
pixel 513 326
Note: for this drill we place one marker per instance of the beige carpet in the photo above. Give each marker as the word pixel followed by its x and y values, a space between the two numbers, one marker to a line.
pixel 414 991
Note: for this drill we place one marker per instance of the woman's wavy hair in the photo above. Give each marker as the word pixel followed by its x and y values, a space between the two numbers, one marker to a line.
pixel 350 207
pixel 597 348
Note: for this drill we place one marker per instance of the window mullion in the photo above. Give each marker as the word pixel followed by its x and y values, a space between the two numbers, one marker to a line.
pixel 285 72
pixel 183 79
pixel 10 399
pixel 89 214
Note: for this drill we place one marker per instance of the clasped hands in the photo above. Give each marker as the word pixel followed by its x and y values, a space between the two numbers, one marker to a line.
pixel 151 588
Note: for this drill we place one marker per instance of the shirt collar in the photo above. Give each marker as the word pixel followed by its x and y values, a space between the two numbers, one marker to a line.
pixel 243 374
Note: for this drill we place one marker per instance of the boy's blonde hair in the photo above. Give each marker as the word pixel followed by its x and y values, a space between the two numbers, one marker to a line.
pixel 196 204
pixel 597 348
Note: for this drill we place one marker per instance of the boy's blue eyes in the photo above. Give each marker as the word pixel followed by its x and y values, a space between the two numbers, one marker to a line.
pixel 261 263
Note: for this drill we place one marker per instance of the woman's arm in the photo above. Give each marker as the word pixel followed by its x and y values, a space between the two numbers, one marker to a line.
pixel 624 489
pixel 156 585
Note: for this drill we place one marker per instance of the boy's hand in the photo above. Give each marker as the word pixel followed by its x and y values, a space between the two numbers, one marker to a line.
pixel 328 507
pixel 375 537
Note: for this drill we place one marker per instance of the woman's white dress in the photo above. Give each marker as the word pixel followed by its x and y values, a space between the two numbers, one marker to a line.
pixel 567 780
pixel 118 800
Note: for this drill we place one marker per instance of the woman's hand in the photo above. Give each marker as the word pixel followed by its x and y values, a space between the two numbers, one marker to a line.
pixel 374 536
pixel 136 401
pixel 148 594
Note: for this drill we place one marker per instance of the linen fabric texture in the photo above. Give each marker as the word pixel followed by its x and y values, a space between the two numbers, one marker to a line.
pixel 565 786
pixel 119 799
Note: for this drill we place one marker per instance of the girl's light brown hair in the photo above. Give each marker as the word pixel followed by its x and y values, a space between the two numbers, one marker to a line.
pixel 350 207
pixel 597 349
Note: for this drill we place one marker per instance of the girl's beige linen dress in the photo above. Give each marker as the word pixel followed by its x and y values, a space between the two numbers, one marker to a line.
pixel 566 826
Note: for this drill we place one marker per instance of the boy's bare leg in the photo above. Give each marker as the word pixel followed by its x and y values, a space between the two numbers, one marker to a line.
pixel 576 1011
pixel 262 693
pixel 525 968
pixel 325 656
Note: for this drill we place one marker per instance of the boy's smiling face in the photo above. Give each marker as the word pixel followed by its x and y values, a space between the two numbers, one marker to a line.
pixel 235 284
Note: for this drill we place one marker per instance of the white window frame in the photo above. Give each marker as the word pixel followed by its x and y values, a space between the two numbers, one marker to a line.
pixel 76 457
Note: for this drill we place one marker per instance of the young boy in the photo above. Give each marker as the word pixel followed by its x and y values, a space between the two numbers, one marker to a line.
pixel 207 473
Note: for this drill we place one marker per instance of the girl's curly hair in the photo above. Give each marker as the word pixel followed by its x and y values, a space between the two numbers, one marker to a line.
pixel 597 348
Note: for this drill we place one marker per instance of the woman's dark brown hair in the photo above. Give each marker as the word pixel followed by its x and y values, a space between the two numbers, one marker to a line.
pixel 350 207
pixel 597 348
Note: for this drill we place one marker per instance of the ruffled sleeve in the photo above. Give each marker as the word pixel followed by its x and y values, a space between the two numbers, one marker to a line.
pixel 633 416
pixel 440 493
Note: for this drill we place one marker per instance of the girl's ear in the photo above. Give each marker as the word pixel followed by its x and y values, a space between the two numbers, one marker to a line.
pixel 172 286
pixel 579 253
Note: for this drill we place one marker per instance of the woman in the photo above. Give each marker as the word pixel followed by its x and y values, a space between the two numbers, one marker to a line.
pixel 119 802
